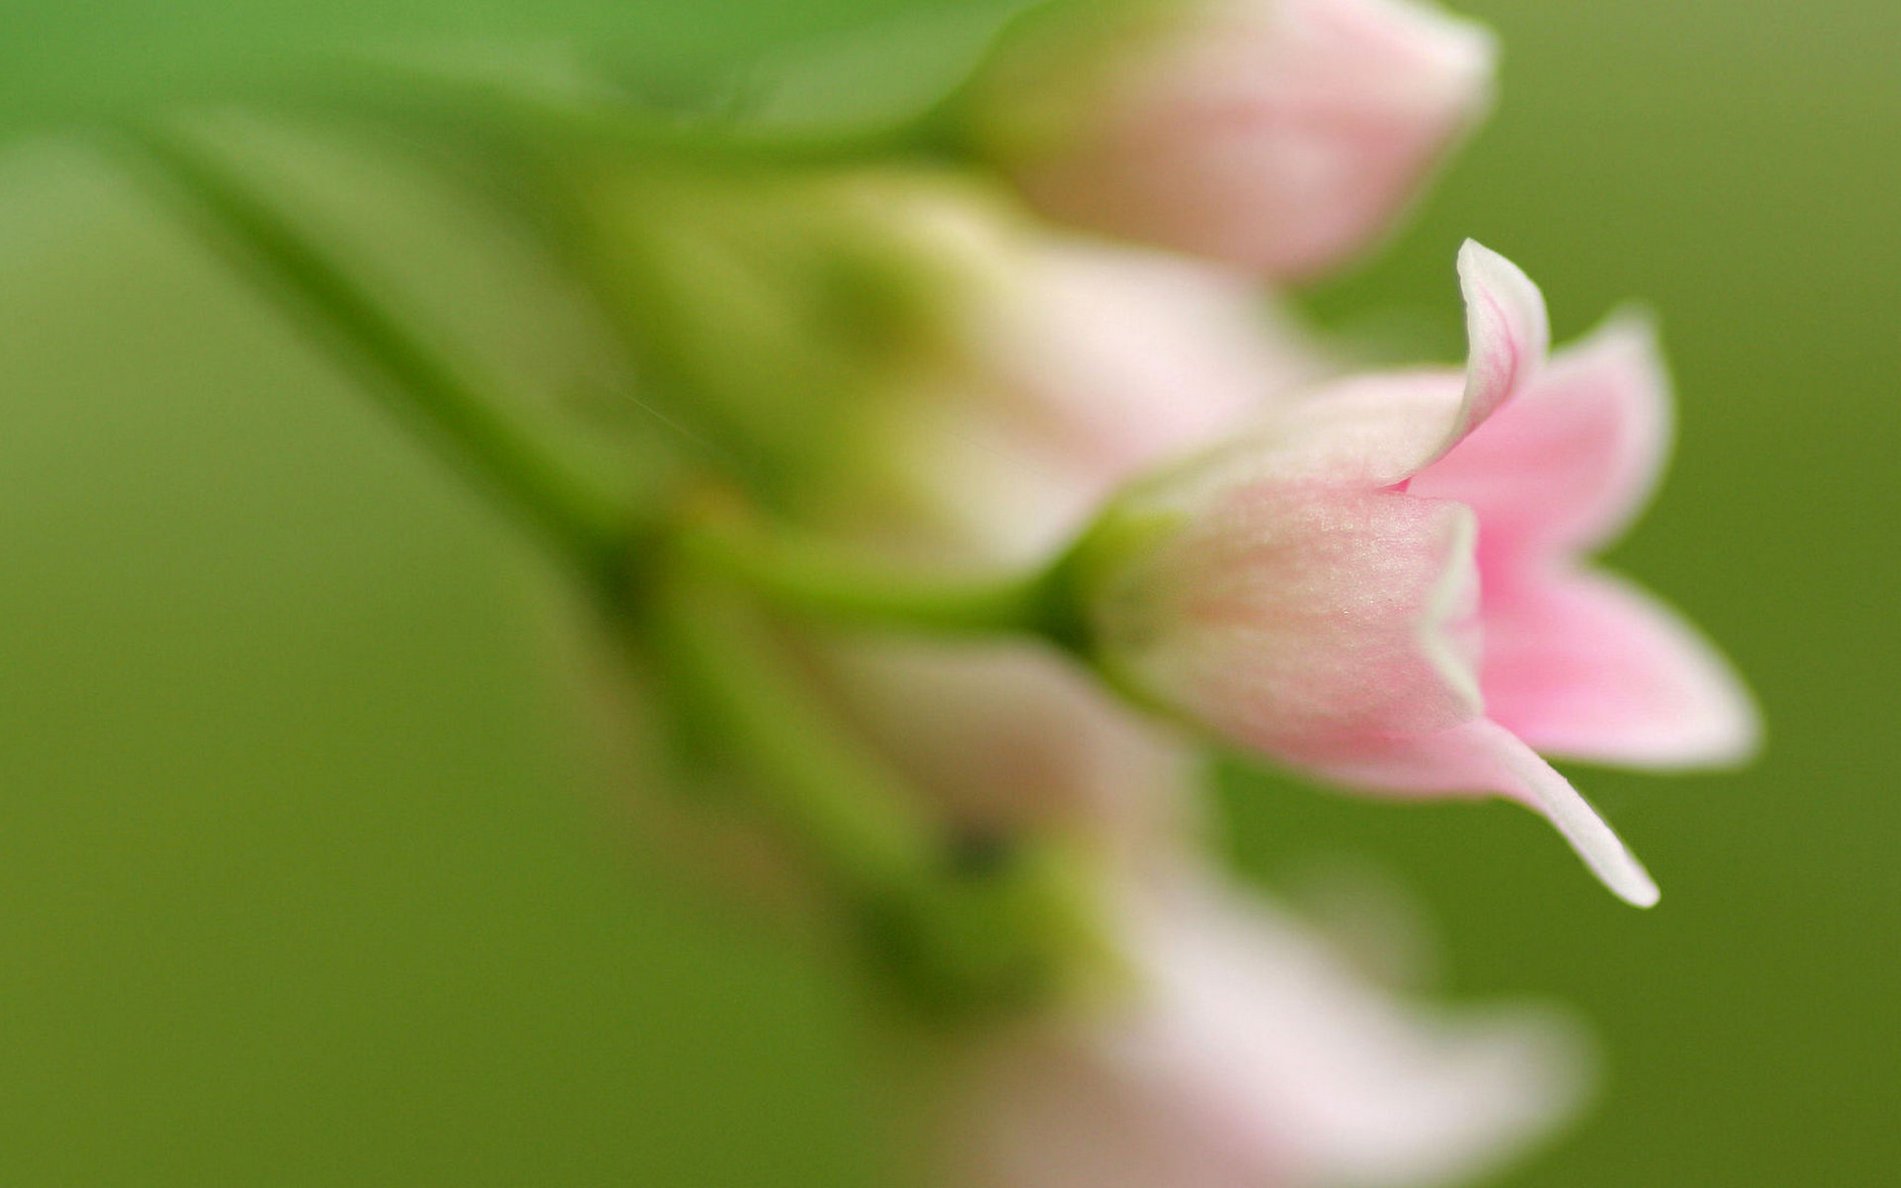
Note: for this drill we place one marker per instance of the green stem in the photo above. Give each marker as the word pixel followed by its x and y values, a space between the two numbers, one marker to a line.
pixel 991 925
pixel 812 579
pixel 565 503
pixel 849 815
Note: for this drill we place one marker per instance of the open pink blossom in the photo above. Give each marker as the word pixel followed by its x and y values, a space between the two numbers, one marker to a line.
pixel 1278 134
pixel 1576 661
pixel 1247 1054
pixel 1383 587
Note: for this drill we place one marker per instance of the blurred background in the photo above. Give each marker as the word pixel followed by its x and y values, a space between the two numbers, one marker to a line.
pixel 301 877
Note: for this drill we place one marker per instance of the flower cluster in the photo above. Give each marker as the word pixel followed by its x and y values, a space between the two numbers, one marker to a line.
pixel 998 484
pixel 1081 372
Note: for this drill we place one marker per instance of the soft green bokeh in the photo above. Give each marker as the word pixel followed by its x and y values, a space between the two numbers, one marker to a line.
pixel 301 882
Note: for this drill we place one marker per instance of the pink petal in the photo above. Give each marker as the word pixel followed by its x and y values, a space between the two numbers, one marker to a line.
pixel 1483 756
pixel 1583 665
pixel 1573 458
pixel 1507 331
pixel 1289 617
pixel 1370 430
pixel 1382 429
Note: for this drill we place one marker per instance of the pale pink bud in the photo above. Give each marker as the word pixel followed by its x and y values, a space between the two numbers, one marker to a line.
pixel 1282 135
pixel 1076 366
pixel 1304 594
pixel 1247 1054
pixel 1006 739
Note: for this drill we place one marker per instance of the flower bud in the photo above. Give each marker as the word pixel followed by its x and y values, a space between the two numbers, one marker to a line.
pixel 1070 367
pixel 1008 740
pixel 767 308
pixel 1282 135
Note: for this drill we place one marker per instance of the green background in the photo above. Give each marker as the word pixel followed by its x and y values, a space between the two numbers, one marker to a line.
pixel 300 880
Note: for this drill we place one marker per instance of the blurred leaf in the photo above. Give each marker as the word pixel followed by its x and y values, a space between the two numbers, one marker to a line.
pixel 73 60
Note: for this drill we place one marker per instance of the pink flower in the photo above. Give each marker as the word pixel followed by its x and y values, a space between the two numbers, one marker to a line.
pixel 1278 134
pixel 1248 1055
pixel 1385 587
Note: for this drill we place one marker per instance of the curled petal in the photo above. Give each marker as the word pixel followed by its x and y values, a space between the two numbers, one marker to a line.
pixel 1572 459
pixel 1538 785
pixel 1292 618
pixel 1383 429
pixel 1586 667
pixel 1507 331
pixel 1482 756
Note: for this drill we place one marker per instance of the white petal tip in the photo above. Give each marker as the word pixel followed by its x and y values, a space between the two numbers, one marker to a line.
pixel 1729 732
pixel 1483 273
pixel 1726 735
pixel 1475 259
pixel 1605 853
pixel 1642 894
pixel 1473 46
